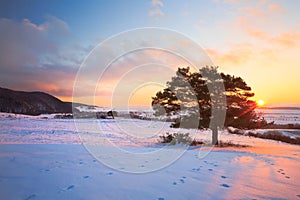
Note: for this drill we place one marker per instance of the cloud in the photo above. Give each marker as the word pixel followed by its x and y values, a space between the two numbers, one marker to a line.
pixel 286 39
pixel 156 11
pixel 265 24
pixel 276 8
pixel 256 33
pixel 267 51
pixel 157 3
pixel 262 47
pixel 258 14
pixel 57 28
pixel 236 55
pixel 239 2
pixel 38 27
pixel 126 73
pixel 156 8
pixel 37 56
pixel 282 39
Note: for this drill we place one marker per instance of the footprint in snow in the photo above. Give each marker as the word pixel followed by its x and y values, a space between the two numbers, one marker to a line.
pixel 109 173
pixel 281 171
pixel 210 169
pixel 180 180
pixel 225 185
pixel 196 169
pixel 85 177
pixel 70 187
pixel 32 196
pixel 161 198
pixel 298 195
pixel 223 177
pixel 12 159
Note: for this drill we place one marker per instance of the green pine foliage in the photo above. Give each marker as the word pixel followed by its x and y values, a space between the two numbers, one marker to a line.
pixel 193 96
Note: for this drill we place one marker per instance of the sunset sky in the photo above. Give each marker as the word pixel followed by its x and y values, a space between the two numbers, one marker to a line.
pixel 43 43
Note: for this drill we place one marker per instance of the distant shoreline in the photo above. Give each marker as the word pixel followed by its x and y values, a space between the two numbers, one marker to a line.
pixel 280 108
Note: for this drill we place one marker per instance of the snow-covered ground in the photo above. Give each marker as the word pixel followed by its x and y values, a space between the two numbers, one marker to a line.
pixel 92 109
pixel 120 159
pixel 281 116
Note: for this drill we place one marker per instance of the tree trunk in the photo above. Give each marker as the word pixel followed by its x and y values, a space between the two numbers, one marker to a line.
pixel 214 135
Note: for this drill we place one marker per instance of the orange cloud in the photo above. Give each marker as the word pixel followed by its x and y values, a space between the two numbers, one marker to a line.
pixel 259 2
pixel 253 12
pixel 286 39
pixel 263 26
pixel 276 8
pixel 257 33
pixel 237 54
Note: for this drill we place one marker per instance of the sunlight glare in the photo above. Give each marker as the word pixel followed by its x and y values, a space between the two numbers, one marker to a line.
pixel 260 103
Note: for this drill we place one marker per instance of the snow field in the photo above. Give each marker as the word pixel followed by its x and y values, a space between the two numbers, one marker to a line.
pixel 45 159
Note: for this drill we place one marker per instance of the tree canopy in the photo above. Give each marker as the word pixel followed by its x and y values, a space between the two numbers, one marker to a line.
pixel 198 98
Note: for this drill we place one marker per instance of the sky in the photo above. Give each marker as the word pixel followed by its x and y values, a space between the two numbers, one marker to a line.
pixel 45 44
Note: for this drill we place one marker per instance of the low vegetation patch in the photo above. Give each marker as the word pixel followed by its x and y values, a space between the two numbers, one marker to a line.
pixel 196 143
pixel 275 135
pixel 271 135
pixel 280 126
pixel 176 138
pixel 230 144
pixel 184 138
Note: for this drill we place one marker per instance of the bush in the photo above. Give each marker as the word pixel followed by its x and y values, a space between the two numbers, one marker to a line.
pixel 168 138
pixel 196 143
pixel 176 138
pixel 229 144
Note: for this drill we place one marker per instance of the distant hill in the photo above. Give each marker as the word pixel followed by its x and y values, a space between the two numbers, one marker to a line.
pixel 31 103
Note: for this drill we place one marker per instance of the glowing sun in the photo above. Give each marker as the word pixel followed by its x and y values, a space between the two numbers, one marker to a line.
pixel 260 103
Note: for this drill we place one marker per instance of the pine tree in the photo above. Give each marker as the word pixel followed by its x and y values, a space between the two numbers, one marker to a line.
pixel 199 99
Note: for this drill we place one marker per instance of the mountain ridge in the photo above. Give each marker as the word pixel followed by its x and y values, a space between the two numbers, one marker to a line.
pixel 31 103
